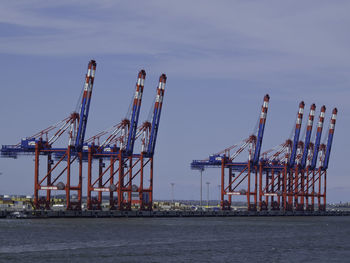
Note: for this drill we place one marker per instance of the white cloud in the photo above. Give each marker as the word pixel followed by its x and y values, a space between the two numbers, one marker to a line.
pixel 271 43
pixel 118 27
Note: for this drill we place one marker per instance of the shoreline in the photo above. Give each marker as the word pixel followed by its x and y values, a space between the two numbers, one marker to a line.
pixel 157 214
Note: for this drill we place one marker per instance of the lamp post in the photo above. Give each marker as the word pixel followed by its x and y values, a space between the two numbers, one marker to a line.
pixel 219 186
pixel 208 195
pixel 172 192
pixel 201 187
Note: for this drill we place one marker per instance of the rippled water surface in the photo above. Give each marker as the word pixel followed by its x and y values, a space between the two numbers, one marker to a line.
pixel 234 239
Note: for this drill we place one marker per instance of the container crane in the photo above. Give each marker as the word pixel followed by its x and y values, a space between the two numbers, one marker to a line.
pixel 42 143
pixel 148 132
pixel 311 163
pixel 117 147
pixel 306 152
pixel 245 170
pixel 118 150
pixel 323 166
pixel 274 169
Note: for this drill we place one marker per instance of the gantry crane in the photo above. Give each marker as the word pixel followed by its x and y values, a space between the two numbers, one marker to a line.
pixel 42 143
pixel 307 152
pixel 323 163
pixel 143 162
pixel 118 150
pixel 117 147
pixel 246 171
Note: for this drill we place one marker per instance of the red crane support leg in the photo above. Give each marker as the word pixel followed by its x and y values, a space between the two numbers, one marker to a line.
pixel 48 180
pixel 36 177
pixel 260 188
pixel 311 183
pixel 306 193
pixel 256 189
pixel 296 188
pixel 80 184
pixel 324 190
pixel 313 190
pixel 284 175
pixel 68 204
pixel 120 182
pixel 89 202
pixel 273 202
pixel 142 205
pixel 100 170
pixel 248 189
pixel 112 187
pixel 223 207
pixel 319 188
pixel 290 190
pixel 130 184
pixel 230 188
pixel 302 191
pixel 267 189
pixel 151 184
pixel 279 190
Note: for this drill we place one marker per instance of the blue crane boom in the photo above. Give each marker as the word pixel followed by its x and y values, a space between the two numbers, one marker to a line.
pixel 318 137
pixel 135 112
pixel 261 129
pixel 330 139
pixel 85 105
pixel 308 135
pixel 156 115
pixel 297 133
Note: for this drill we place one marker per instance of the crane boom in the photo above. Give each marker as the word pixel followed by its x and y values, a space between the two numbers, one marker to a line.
pixel 156 115
pixel 261 128
pixel 85 105
pixel 135 112
pixel 308 135
pixel 318 137
pixel 330 138
pixel 297 133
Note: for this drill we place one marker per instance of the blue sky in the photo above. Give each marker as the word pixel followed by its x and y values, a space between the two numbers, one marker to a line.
pixel 220 57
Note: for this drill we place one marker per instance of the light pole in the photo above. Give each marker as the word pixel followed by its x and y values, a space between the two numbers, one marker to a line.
pixel 201 197
pixel 208 195
pixel 172 192
pixel 219 186
pixel 0 174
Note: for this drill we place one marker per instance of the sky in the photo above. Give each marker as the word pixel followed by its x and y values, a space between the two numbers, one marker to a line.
pixel 220 57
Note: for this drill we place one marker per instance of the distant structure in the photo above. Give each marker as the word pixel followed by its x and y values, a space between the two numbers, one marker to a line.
pixel 291 176
pixel 114 146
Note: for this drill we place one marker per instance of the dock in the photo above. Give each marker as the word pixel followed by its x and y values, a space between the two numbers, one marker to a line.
pixel 157 214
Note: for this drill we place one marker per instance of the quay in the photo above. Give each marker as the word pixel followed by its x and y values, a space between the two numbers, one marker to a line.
pixel 171 213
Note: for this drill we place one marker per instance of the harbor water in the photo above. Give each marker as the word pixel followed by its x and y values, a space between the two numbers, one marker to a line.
pixel 221 239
